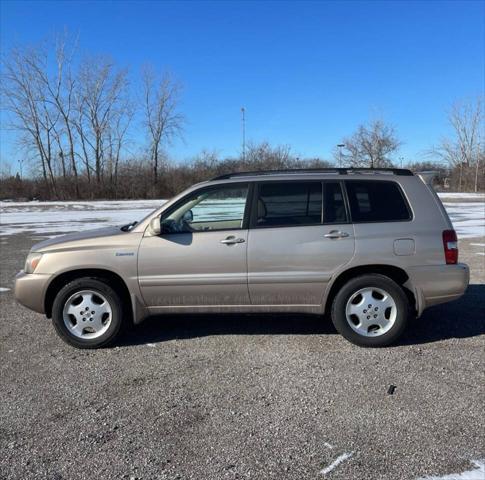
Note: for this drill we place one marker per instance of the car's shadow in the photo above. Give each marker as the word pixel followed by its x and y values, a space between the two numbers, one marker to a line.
pixel 459 319
pixel 462 318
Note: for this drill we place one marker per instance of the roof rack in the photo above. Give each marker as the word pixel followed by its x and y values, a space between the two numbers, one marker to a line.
pixel 340 171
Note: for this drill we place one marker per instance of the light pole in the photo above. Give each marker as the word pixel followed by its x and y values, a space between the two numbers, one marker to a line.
pixel 340 146
pixel 401 159
pixel 21 167
pixel 243 127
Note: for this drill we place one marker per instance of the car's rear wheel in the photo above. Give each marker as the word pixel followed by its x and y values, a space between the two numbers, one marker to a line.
pixel 371 311
pixel 87 313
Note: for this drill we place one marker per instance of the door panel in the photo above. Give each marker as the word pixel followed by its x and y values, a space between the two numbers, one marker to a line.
pixel 292 265
pixel 188 269
pixel 200 259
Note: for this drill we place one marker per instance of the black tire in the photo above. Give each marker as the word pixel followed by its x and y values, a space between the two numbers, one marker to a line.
pixel 339 317
pixel 97 285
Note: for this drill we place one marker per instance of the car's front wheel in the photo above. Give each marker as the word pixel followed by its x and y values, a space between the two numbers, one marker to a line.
pixel 371 311
pixel 87 313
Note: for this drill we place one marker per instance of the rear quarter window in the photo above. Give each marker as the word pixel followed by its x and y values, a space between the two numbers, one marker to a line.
pixel 380 201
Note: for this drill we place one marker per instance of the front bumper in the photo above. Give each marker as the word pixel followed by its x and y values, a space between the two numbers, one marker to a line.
pixel 438 283
pixel 30 290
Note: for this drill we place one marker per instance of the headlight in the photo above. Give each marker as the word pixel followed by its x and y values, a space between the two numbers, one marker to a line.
pixel 32 261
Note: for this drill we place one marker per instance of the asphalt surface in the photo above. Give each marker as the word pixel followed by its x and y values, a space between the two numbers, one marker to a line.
pixel 236 397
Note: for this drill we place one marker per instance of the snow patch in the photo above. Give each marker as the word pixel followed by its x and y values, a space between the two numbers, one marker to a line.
pixel 336 463
pixel 468 218
pixel 49 218
pixel 454 195
pixel 477 473
pixel 82 204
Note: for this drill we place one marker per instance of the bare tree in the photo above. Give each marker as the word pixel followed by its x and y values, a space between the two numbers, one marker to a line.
pixel 101 88
pixel 263 156
pixel 117 137
pixel 371 146
pixel 59 90
pixel 464 151
pixel 78 122
pixel 24 96
pixel 162 119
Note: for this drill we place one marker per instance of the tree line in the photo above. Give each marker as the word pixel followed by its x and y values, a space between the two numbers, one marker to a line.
pixel 74 117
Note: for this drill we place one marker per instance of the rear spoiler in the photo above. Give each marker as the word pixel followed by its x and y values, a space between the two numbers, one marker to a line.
pixel 427 177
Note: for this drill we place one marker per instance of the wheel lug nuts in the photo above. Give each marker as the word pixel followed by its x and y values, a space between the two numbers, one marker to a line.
pixel 92 312
pixel 370 306
pixel 375 316
pixel 365 311
pixel 376 309
pixel 84 319
pixel 368 316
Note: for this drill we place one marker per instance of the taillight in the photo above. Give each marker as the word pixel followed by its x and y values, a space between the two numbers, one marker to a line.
pixel 450 244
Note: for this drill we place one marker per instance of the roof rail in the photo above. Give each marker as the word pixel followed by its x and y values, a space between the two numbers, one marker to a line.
pixel 340 171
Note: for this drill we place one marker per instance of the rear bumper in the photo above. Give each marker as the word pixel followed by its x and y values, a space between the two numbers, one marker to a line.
pixel 438 284
pixel 30 289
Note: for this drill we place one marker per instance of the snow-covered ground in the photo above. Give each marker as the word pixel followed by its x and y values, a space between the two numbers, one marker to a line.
pixel 462 196
pixel 51 218
pixel 468 218
pixel 477 473
pixel 466 210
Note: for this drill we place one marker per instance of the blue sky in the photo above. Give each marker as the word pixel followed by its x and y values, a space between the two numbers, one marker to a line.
pixel 307 72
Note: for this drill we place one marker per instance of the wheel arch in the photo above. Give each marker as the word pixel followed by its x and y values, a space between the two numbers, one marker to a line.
pixel 112 278
pixel 393 272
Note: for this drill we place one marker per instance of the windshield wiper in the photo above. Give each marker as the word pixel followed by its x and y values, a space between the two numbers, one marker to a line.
pixel 127 228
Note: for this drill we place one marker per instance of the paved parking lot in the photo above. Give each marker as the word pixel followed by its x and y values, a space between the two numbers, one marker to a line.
pixel 260 397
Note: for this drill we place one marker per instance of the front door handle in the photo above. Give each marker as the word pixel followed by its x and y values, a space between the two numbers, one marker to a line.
pixel 232 240
pixel 336 234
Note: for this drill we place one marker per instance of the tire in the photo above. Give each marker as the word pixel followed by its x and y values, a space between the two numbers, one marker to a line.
pixel 87 313
pixel 379 325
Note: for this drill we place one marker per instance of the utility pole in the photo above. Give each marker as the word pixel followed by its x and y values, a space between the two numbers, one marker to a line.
pixel 21 167
pixel 340 146
pixel 243 126
pixel 401 159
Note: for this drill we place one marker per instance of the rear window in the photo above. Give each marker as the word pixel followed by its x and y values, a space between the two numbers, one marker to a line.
pixel 377 202
pixel 289 204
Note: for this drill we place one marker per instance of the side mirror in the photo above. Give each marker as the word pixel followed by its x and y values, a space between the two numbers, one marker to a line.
pixel 155 226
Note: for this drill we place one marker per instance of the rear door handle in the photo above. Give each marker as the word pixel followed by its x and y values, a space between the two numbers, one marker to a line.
pixel 232 240
pixel 336 234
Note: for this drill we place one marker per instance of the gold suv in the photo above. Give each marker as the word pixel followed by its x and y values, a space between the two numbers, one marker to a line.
pixel 368 247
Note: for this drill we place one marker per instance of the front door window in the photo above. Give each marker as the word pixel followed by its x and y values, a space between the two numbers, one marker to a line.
pixel 219 208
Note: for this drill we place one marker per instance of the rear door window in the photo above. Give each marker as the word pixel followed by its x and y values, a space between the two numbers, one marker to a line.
pixel 288 204
pixel 380 201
